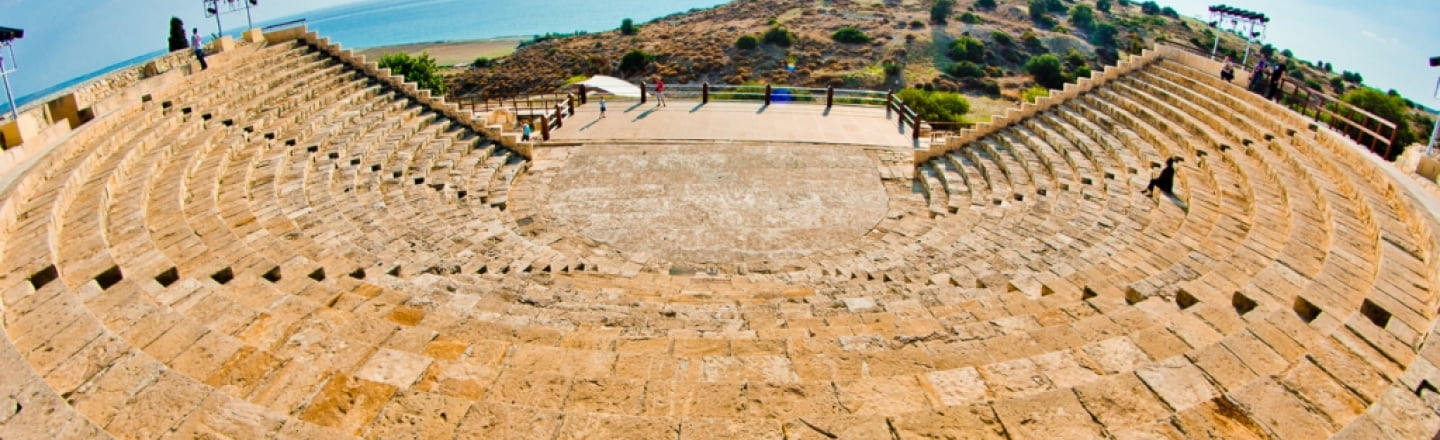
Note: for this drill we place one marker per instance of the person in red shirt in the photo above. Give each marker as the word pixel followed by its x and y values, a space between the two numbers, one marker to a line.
pixel 660 93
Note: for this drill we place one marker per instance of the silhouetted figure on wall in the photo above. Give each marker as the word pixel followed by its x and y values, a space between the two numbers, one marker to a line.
pixel 1166 180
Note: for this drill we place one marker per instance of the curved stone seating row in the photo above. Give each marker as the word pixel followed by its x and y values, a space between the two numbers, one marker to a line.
pixel 336 260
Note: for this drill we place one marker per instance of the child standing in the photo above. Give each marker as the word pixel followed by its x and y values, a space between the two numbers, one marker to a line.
pixel 525 132
pixel 602 107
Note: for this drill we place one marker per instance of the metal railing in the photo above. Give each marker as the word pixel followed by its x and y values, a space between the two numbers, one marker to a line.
pixel 1363 127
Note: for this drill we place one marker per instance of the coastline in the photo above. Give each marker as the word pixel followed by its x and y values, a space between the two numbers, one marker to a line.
pixel 451 53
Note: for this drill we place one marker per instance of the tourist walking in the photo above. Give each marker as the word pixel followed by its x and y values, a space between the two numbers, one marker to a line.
pixel 1257 77
pixel 1275 78
pixel 525 132
pixel 199 49
pixel 1166 180
pixel 660 92
pixel 602 107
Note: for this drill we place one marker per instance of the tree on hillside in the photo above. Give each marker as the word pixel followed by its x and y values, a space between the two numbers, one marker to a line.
pixel 1047 70
pixel 1082 16
pixel 1103 6
pixel 985 4
pixel 627 27
pixel 1352 77
pixel 177 35
pixel 941 10
pixel 635 62
pixel 1390 107
pixel 420 70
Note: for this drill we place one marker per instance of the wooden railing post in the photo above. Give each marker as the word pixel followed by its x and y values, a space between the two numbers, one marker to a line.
pixel 570 101
pixel 889 101
pixel 767 94
pixel 584 94
pixel 915 127
pixel 544 127
pixel 829 96
pixel 643 92
pixel 705 93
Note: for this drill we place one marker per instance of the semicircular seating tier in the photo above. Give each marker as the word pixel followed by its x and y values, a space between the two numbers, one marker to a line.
pixel 288 246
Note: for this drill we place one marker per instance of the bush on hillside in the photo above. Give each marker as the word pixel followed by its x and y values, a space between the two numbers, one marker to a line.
pixel 966 69
pixel 1002 38
pixel 420 70
pixel 1352 77
pixel 635 61
pixel 1103 6
pixel 935 105
pixel 850 35
pixel 940 11
pixel 1082 16
pixel 746 42
pixel 1104 34
pixel 1032 41
pixel 985 4
pixel 966 49
pixel 1047 70
pixel 778 36
pixel 627 27
pixel 970 18
pixel 1033 93
pixel 1150 8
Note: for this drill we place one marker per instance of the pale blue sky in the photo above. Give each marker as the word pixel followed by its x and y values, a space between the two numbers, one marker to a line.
pixel 1388 41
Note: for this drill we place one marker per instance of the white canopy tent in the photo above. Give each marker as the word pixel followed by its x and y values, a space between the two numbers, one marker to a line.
pixel 612 85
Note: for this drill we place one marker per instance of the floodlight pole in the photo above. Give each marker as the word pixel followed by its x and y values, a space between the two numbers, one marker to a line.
pixel 1429 147
pixel 248 23
pixel 1248 34
pixel 5 74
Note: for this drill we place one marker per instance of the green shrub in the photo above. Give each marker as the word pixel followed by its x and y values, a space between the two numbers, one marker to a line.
pixel 1104 34
pixel 1150 8
pixel 627 27
pixel 850 35
pixel 482 62
pixel 635 61
pixel 746 42
pixel 966 69
pixel 970 18
pixel 985 4
pixel 1033 93
pixel 966 49
pixel 1082 16
pixel 891 68
pixel 1032 41
pixel 1002 38
pixel 1352 77
pixel 420 70
pixel 936 106
pixel 1103 6
pixel 940 10
pixel 1047 70
pixel 778 36
pixel 916 24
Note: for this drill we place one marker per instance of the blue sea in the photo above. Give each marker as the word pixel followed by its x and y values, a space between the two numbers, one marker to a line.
pixel 389 22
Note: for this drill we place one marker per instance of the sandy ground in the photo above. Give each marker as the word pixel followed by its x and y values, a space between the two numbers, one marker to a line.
pixel 451 53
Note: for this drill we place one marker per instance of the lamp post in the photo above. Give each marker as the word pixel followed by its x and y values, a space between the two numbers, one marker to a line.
pixel 7 37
